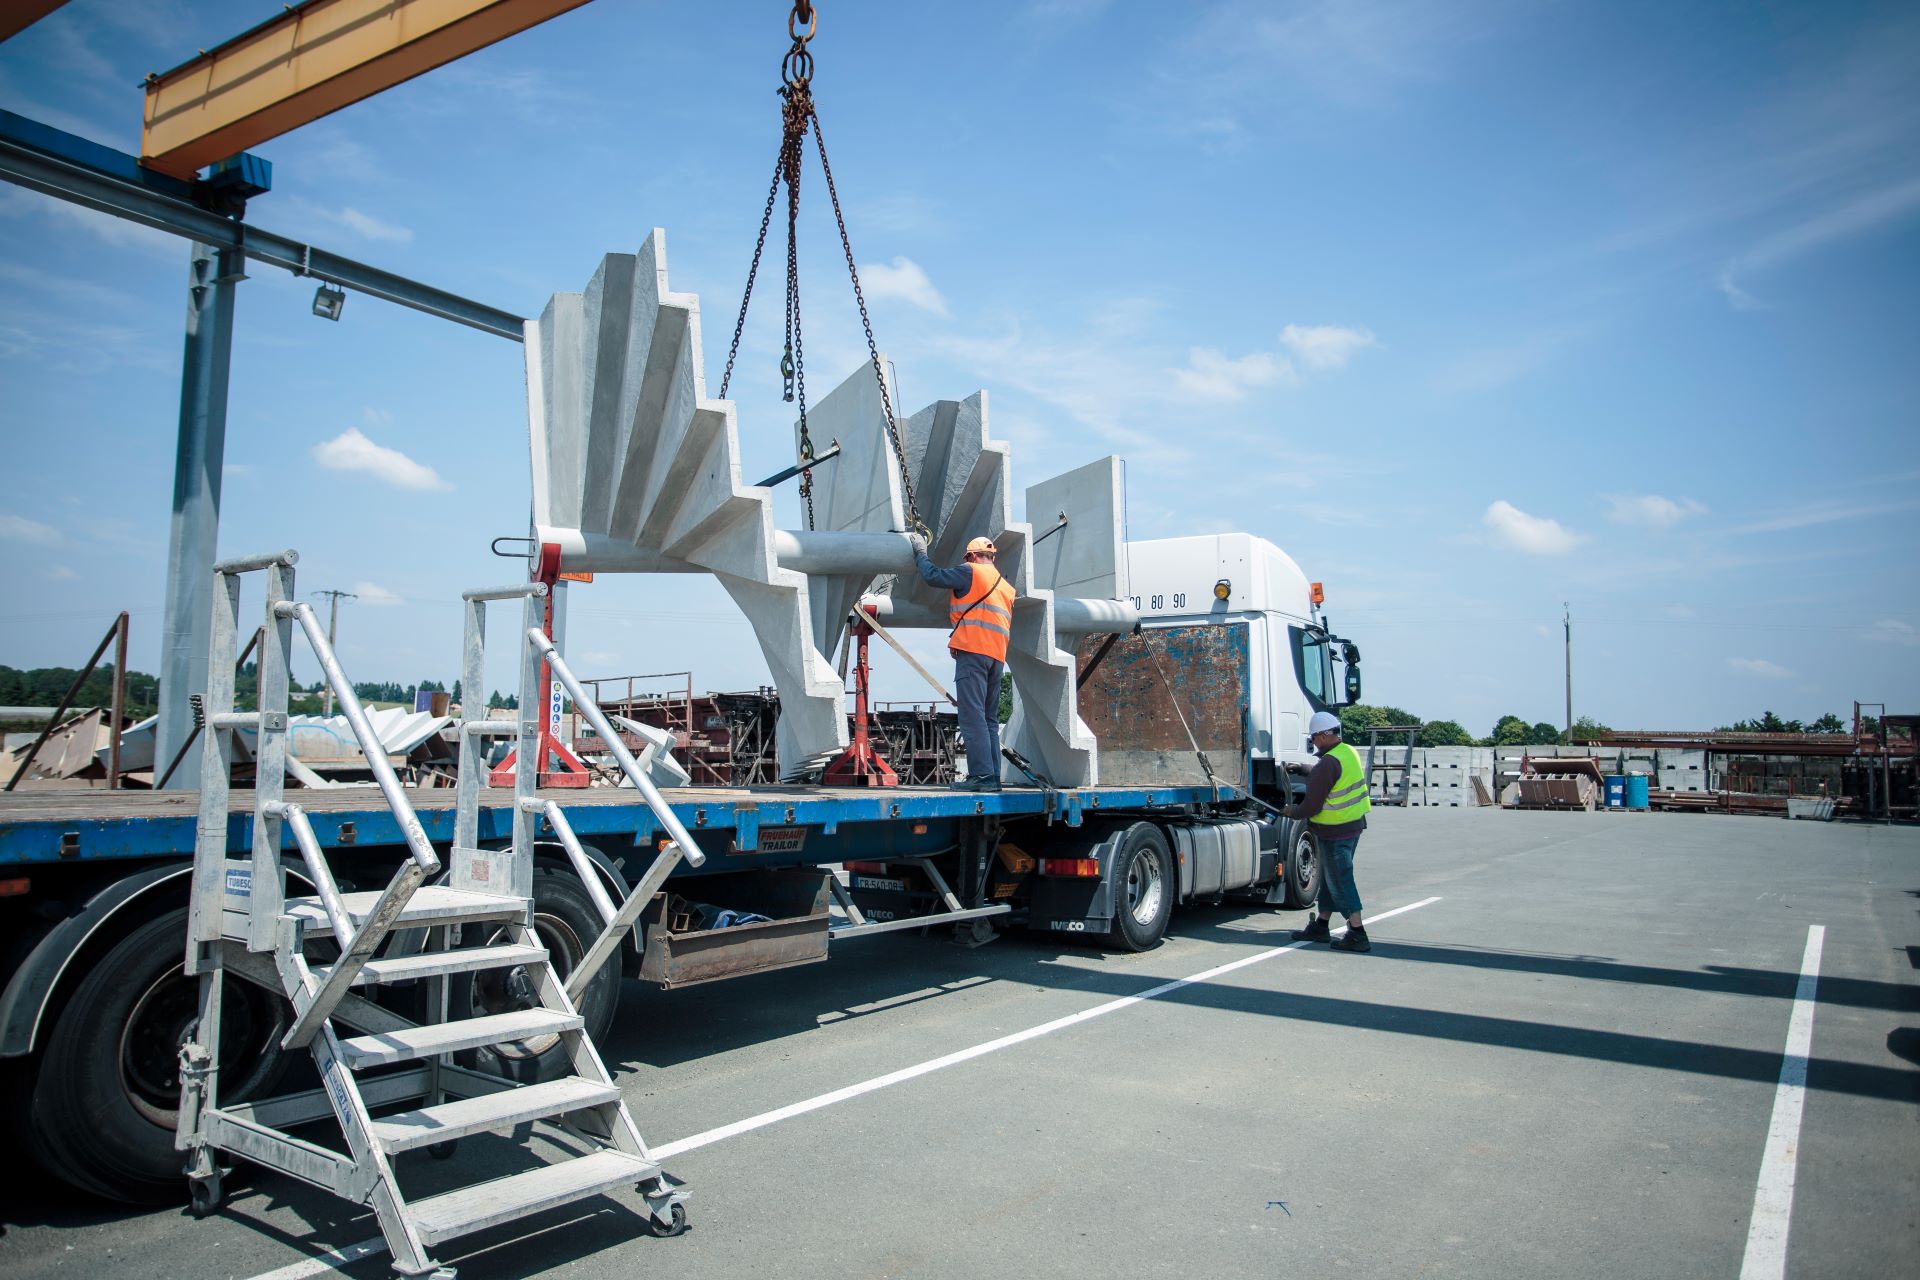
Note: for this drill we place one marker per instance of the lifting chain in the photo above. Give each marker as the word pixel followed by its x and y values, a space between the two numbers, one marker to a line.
pixel 797 114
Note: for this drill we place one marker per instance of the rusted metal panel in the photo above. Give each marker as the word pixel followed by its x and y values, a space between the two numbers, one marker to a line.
pixel 1136 696
pixel 680 956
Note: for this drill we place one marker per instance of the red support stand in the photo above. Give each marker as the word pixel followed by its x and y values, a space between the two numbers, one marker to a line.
pixel 567 769
pixel 860 765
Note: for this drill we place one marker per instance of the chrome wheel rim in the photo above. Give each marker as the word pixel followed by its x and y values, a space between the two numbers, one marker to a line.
pixel 1146 886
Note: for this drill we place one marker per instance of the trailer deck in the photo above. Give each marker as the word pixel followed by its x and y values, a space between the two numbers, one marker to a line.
pixel 746 826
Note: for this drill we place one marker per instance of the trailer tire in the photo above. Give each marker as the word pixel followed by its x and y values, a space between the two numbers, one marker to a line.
pixel 107 1088
pixel 1144 887
pixel 1303 868
pixel 565 922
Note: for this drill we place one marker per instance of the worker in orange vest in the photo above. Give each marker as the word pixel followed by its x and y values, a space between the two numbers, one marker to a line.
pixel 981 613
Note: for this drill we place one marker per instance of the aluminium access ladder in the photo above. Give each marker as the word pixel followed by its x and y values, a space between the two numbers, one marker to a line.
pixel 392 1084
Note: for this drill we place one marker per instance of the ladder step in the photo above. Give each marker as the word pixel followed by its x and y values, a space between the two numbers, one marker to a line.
pixel 433 964
pixel 490 1111
pixel 475 1208
pixel 430 905
pixel 449 1037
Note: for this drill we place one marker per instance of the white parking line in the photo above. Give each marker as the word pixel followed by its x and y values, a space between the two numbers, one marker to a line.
pixel 338 1258
pixel 1766 1257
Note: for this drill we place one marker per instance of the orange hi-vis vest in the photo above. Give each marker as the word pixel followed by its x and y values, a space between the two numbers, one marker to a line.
pixel 982 616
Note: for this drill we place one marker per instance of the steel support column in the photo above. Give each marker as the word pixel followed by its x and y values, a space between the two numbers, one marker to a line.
pixel 195 528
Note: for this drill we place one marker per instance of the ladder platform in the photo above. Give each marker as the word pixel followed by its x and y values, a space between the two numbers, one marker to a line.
pixel 490 1111
pixel 431 905
pixel 475 1208
pixel 449 1037
pixel 434 964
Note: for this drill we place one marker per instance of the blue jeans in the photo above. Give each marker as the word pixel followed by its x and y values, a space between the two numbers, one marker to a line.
pixel 1339 895
pixel 976 687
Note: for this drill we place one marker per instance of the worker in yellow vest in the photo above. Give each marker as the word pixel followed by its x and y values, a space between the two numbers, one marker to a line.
pixel 1335 806
pixel 981 614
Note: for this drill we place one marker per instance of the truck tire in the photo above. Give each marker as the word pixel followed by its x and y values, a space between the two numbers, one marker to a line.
pixel 567 924
pixel 1303 868
pixel 107 1091
pixel 1144 888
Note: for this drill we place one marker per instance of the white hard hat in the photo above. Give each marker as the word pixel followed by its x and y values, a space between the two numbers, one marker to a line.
pixel 1323 722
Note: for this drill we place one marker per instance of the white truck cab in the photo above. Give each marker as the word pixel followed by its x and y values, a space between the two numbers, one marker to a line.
pixel 1295 666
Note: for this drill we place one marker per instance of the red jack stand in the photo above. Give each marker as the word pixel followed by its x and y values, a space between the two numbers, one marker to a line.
pixel 568 769
pixel 860 765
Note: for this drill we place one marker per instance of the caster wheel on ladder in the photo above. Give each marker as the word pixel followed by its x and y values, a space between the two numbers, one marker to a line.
pixel 444 1150
pixel 675 1224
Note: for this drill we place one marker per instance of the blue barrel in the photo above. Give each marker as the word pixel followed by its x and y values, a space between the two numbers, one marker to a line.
pixel 1636 790
pixel 1616 791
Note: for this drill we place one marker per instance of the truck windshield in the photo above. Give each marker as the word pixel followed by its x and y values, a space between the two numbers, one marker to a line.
pixel 1310 665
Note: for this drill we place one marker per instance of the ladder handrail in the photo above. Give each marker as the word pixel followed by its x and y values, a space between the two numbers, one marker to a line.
pixel 635 774
pixel 418 846
pixel 319 872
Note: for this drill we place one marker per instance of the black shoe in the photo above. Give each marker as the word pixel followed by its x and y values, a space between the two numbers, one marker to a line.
pixel 1316 931
pixel 977 782
pixel 1356 940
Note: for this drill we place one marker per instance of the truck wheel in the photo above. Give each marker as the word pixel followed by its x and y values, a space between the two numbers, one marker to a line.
pixel 1143 889
pixel 566 924
pixel 1303 868
pixel 108 1092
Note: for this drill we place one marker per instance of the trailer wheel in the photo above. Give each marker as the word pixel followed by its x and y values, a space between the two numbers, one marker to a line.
pixel 108 1091
pixel 1303 869
pixel 1144 888
pixel 565 923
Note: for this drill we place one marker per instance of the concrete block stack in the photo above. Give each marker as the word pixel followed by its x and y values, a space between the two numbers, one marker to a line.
pixel 1441 777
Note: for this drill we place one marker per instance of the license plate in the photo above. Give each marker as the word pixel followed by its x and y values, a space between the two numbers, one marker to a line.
pixel 879 882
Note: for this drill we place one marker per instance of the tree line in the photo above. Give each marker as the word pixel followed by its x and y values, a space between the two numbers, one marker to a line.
pixel 44 687
pixel 1513 731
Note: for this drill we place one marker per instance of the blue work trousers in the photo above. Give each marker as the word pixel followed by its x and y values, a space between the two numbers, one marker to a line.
pixel 976 684
pixel 1339 895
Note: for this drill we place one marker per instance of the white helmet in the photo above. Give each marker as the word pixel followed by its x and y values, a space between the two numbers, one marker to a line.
pixel 1323 722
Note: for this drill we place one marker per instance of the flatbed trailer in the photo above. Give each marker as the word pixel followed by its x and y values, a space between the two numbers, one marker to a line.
pixel 94 1002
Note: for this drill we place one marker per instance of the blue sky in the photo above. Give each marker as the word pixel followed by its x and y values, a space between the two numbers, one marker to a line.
pixel 1473 307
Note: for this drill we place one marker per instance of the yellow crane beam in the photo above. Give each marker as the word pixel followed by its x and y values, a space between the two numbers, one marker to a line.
pixel 17 15
pixel 309 61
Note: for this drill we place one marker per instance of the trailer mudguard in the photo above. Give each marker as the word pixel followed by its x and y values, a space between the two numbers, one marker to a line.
pixel 24 1003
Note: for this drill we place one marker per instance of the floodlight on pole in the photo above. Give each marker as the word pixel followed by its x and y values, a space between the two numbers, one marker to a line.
pixel 327 301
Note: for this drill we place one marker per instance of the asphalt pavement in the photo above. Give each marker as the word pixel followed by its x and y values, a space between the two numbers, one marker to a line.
pixel 1563 1057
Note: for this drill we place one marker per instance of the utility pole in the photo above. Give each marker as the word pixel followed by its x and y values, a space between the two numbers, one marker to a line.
pixel 1566 621
pixel 333 617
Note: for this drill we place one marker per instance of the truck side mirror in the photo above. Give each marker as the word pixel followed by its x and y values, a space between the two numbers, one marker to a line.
pixel 1351 652
pixel 1353 682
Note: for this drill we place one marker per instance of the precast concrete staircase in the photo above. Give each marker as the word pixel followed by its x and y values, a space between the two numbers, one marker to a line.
pixel 636 470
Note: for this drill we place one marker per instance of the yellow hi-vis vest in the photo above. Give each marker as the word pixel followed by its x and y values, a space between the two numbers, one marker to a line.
pixel 1348 801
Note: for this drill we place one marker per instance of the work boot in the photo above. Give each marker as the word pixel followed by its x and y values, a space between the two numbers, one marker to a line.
pixel 977 782
pixel 1316 931
pixel 1356 940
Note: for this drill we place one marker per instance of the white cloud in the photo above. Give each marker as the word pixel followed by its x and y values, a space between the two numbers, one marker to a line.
pixel 902 279
pixel 1651 510
pixel 20 529
pixel 372 228
pixel 1325 346
pixel 1828 512
pixel 1760 667
pixel 1894 631
pixel 372 593
pixel 352 451
pixel 1679 611
pixel 1889 204
pixel 1213 376
pixel 1535 535
pixel 61 573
